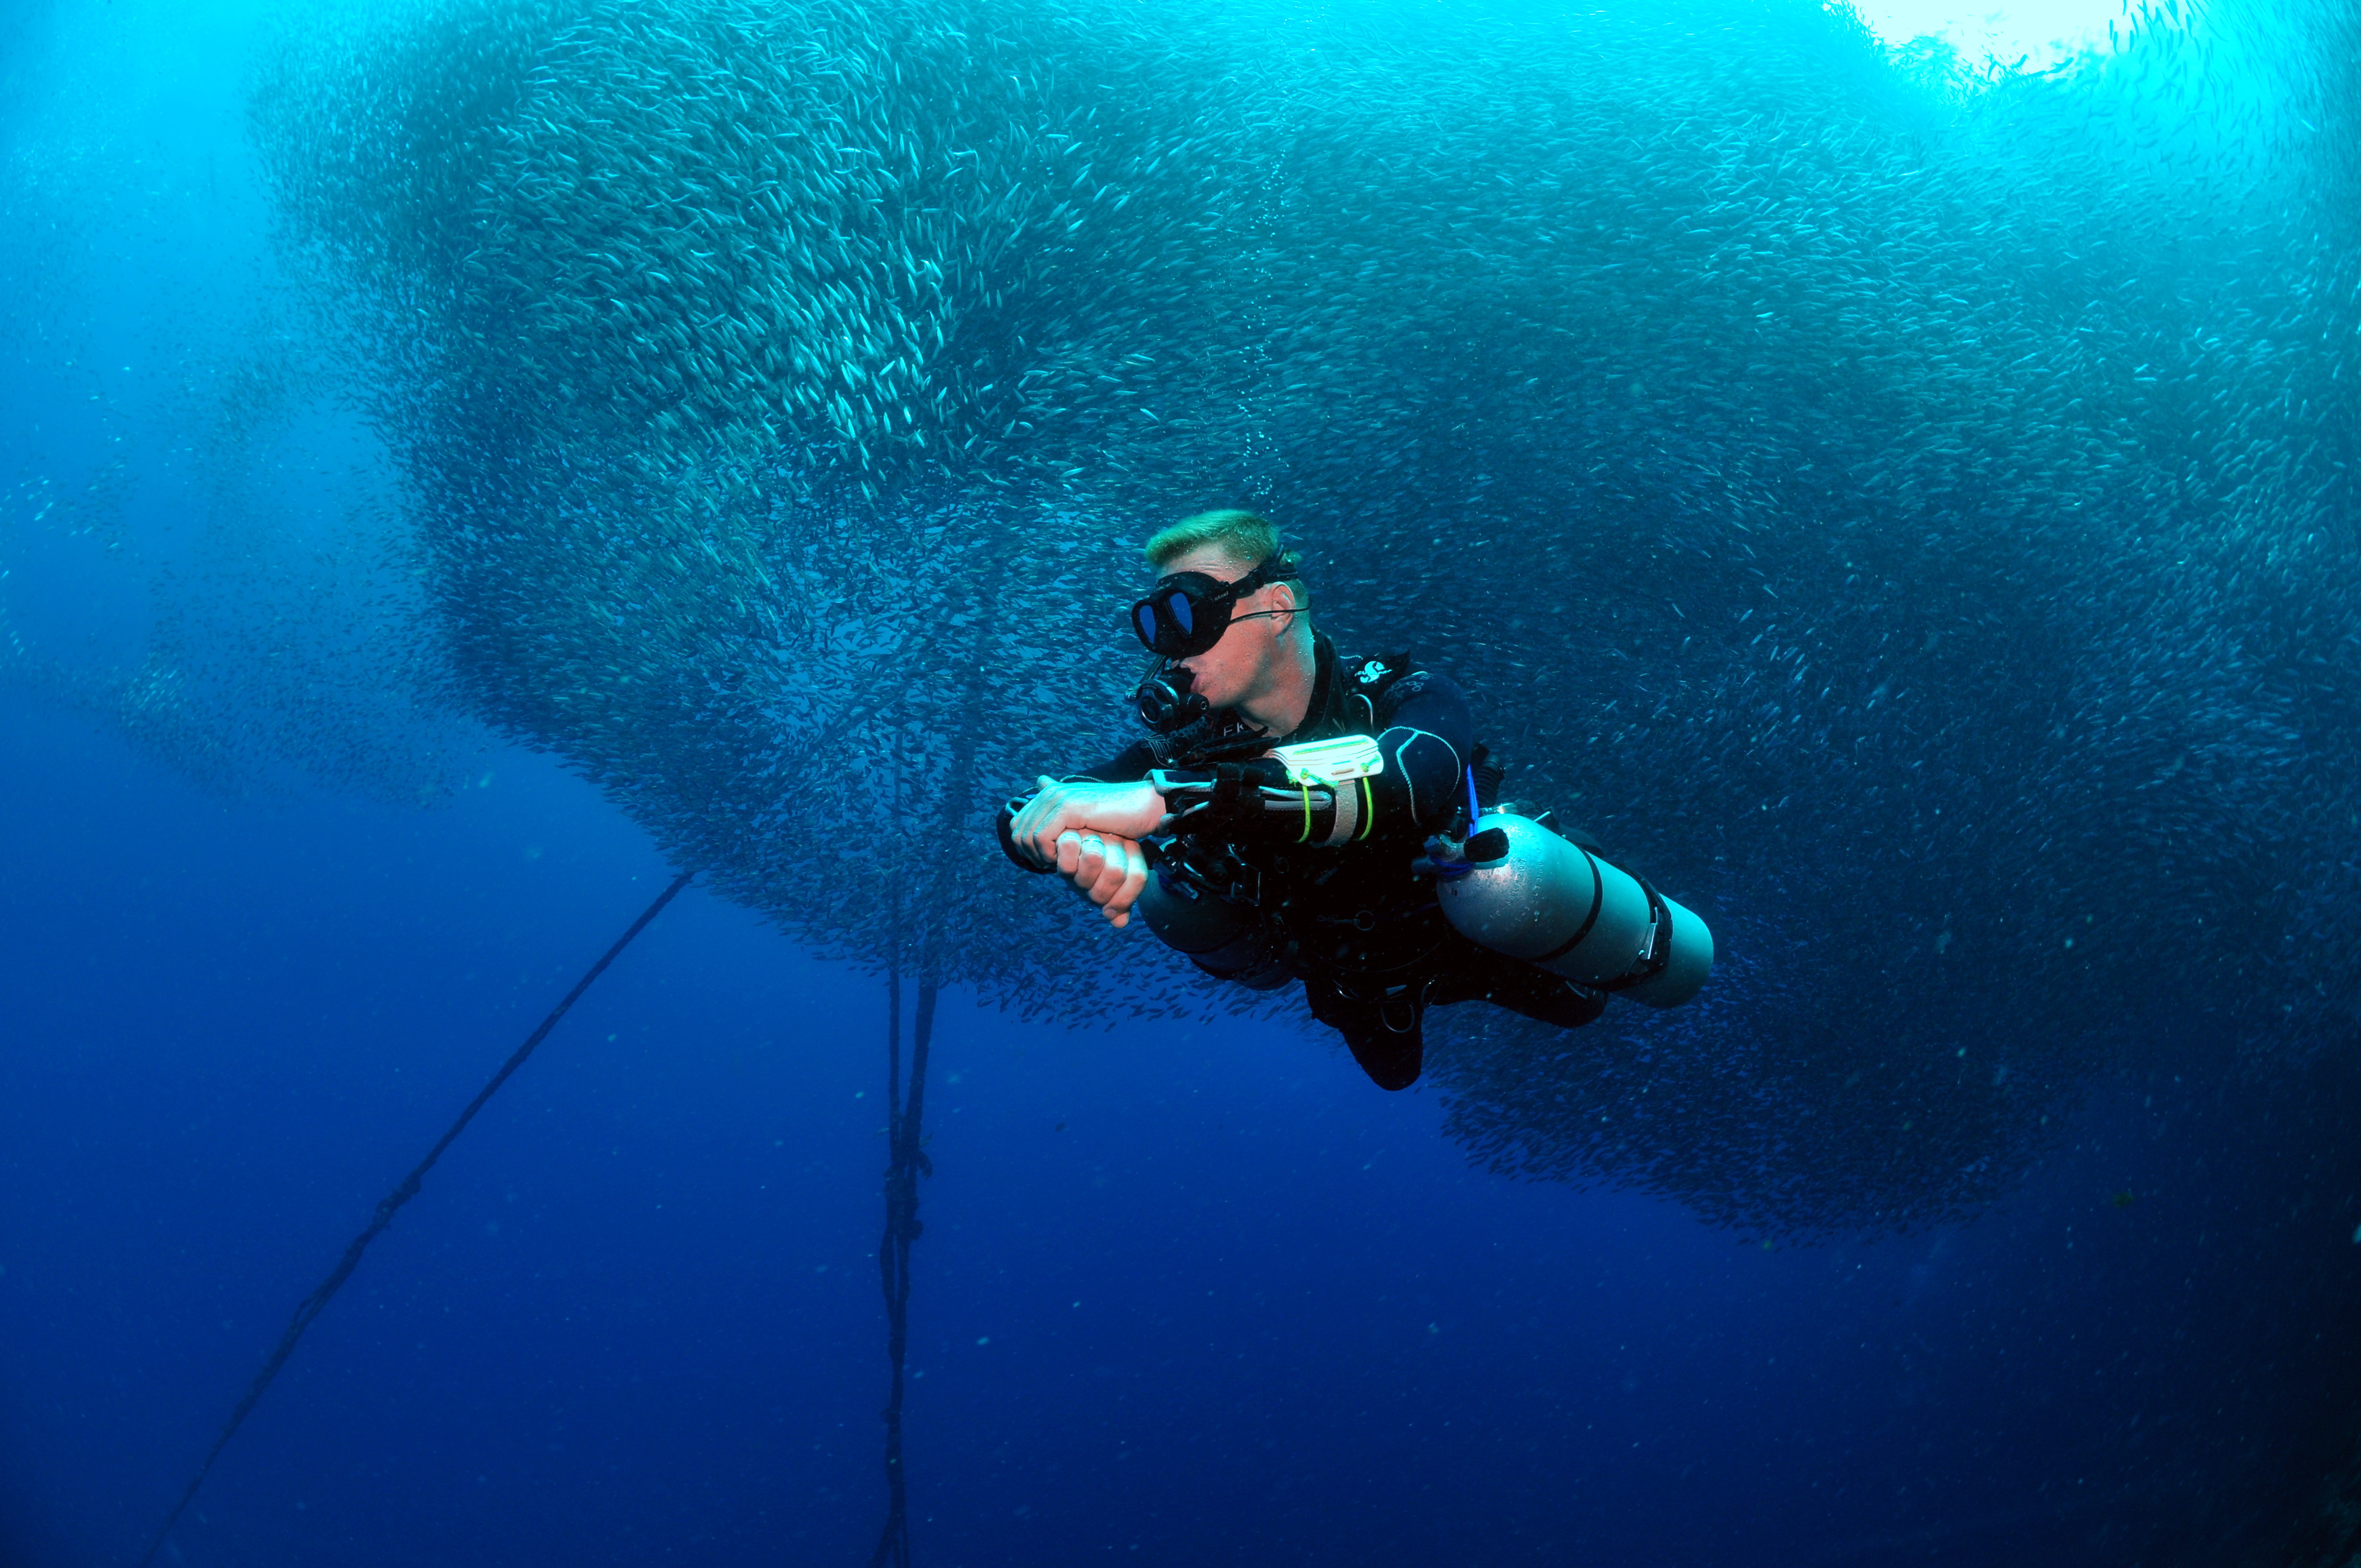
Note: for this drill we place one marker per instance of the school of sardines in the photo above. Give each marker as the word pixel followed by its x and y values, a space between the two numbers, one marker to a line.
pixel 1909 509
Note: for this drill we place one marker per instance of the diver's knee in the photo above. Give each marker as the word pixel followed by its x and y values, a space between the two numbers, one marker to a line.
pixel 1226 940
pixel 1250 962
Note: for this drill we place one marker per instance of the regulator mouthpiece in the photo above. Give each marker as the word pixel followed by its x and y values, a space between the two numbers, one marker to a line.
pixel 1166 702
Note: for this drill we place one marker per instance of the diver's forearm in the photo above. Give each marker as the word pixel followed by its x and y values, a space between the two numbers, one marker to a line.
pixel 1032 825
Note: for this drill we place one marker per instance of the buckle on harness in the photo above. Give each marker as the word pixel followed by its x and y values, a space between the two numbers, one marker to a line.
pixel 1225 877
pixel 1657 956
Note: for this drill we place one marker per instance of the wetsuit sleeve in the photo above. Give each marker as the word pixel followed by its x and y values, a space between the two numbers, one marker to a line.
pixel 1427 734
pixel 1128 766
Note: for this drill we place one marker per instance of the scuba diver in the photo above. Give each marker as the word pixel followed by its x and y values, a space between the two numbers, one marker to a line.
pixel 1300 813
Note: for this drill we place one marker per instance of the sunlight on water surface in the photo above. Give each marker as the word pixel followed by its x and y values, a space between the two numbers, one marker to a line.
pixel 2042 32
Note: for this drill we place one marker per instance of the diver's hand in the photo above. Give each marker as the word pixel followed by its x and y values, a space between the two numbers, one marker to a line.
pixel 1106 868
pixel 1130 811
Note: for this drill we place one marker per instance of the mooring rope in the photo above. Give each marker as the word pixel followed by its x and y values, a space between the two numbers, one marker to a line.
pixel 311 1305
pixel 905 1140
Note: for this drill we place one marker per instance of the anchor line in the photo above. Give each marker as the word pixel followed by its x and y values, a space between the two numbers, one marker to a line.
pixel 906 1134
pixel 390 1204
pixel 905 1117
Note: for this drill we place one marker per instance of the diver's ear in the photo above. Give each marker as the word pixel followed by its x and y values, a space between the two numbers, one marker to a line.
pixel 1294 607
pixel 1283 597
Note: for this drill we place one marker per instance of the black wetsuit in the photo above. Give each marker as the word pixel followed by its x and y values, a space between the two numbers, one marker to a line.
pixel 1354 921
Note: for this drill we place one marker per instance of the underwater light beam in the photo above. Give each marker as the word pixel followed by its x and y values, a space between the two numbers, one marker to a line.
pixel 2042 33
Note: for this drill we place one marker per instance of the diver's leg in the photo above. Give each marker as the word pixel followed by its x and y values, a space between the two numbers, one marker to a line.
pixel 1479 974
pixel 1390 1053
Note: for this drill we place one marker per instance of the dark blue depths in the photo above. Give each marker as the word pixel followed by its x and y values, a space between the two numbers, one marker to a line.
pixel 1184 1296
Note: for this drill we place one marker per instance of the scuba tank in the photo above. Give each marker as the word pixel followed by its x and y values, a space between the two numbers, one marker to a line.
pixel 1226 940
pixel 1516 886
pixel 1532 894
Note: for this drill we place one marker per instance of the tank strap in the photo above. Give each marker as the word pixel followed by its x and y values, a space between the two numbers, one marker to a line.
pixel 1660 940
pixel 1597 901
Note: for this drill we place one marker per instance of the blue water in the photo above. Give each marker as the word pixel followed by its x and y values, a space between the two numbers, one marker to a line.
pixel 1242 1308
pixel 1186 1294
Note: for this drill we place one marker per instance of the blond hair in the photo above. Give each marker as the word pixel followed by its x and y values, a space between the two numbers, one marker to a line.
pixel 1248 539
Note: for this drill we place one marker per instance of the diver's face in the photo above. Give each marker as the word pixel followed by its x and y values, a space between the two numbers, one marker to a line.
pixel 1238 665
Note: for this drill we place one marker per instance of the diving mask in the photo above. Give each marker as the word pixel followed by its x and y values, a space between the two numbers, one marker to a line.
pixel 1188 611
